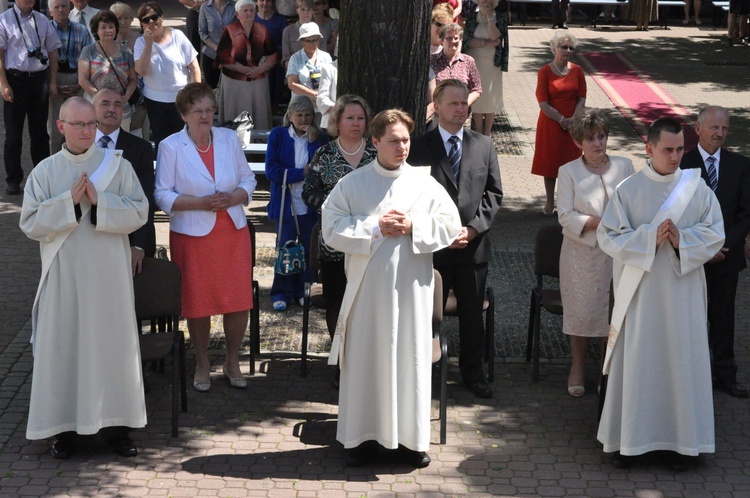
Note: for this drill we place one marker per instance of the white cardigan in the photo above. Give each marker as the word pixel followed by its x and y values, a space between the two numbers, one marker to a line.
pixel 581 194
pixel 180 170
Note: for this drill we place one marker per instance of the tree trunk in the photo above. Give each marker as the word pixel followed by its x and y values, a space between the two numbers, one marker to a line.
pixel 384 54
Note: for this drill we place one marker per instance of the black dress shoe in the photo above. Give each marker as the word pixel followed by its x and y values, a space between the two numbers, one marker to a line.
pixel 362 454
pixel 125 447
pixel 417 459
pixel 621 461
pixel 62 449
pixel 13 189
pixel 736 390
pixel 677 462
pixel 480 388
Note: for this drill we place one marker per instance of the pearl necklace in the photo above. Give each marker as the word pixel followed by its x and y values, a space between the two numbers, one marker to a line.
pixel 560 71
pixel 202 151
pixel 361 144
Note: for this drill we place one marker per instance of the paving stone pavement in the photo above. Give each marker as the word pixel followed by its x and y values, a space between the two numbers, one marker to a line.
pixel 277 438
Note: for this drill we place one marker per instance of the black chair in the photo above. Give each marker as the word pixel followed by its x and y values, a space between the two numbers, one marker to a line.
pixel 440 353
pixel 547 248
pixel 158 300
pixel 488 308
pixel 313 295
pixel 254 346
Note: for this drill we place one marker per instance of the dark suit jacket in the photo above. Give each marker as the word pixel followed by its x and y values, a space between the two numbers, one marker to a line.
pixel 141 155
pixel 733 193
pixel 478 194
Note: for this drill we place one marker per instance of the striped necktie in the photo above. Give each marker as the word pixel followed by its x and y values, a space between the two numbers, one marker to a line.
pixel 713 175
pixel 454 156
pixel 104 142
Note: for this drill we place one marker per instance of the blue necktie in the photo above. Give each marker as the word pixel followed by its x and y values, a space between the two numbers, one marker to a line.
pixel 104 142
pixel 454 156
pixel 713 175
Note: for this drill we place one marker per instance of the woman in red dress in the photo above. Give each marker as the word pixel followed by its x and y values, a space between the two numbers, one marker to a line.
pixel 561 92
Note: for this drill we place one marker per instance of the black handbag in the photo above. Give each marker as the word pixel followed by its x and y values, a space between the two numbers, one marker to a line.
pixel 290 256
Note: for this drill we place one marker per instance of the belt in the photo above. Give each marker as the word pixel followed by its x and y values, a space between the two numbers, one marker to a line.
pixel 26 74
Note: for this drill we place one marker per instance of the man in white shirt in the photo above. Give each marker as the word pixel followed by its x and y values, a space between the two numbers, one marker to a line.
pixel 82 13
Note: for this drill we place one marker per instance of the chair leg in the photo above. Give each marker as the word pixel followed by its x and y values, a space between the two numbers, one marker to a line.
pixel 443 394
pixel 489 331
pixel 254 326
pixel 183 381
pixel 305 329
pixel 537 340
pixel 530 335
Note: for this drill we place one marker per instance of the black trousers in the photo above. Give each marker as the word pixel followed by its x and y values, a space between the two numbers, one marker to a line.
pixel 211 74
pixel 722 290
pixel 30 98
pixel 559 11
pixel 468 283
pixel 164 118
pixel 191 29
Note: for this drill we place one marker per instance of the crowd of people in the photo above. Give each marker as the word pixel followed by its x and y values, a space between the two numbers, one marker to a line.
pixel 385 224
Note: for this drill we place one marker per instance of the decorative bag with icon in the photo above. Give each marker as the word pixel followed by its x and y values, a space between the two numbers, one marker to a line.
pixel 290 257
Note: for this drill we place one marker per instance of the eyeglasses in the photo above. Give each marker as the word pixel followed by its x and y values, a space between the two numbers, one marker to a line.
pixel 309 40
pixel 209 111
pixel 80 125
pixel 149 19
pixel 567 47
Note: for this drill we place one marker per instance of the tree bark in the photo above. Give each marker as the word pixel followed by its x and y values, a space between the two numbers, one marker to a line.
pixel 384 54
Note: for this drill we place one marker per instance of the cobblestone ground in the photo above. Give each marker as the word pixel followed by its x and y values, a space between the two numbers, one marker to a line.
pixel 277 438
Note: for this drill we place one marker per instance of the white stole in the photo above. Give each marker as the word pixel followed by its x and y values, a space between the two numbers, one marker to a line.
pixel 673 208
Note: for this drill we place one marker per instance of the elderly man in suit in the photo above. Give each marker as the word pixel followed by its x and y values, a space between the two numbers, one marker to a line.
pixel 465 163
pixel 139 153
pixel 728 174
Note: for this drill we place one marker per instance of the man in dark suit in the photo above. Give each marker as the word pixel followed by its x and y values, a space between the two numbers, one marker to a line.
pixel 728 174
pixel 108 105
pixel 465 163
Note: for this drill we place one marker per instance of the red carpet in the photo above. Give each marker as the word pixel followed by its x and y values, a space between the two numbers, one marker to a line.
pixel 640 100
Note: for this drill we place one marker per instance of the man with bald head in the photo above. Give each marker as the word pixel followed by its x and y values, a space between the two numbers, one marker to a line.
pixel 108 106
pixel 81 204
pixel 728 174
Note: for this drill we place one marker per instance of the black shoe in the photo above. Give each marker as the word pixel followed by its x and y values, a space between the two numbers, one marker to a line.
pixel 13 189
pixel 362 454
pixel 677 462
pixel 416 459
pixel 621 461
pixel 736 390
pixel 480 388
pixel 124 447
pixel 62 449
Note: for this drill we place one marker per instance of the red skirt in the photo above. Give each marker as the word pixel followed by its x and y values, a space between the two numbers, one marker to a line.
pixel 217 271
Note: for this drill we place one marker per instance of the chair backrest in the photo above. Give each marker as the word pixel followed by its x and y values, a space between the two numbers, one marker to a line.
pixel 157 289
pixel 437 298
pixel 251 228
pixel 315 252
pixel 547 248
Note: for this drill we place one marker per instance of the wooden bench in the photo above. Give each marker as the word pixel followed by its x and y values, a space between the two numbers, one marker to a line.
pixel 593 13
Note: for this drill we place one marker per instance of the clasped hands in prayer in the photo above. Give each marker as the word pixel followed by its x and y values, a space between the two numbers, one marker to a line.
pixel 82 187
pixel 394 222
pixel 668 231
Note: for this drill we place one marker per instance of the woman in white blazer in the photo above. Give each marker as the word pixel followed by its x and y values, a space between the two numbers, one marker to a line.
pixel 585 187
pixel 202 182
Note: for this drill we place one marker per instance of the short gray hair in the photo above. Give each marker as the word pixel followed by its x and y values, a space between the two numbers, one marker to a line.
pixel 301 104
pixel 241 3
pixel 561 36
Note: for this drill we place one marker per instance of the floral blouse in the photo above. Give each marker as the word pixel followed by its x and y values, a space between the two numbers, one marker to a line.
pixel 327 167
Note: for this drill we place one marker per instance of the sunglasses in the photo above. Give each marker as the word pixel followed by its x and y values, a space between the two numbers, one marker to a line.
pixel 568 47
pixel 149 19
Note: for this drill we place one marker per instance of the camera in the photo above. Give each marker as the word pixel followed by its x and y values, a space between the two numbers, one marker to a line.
pixel 37 54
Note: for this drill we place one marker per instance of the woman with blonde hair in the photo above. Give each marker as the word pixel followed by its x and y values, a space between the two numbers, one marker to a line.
pixel 586 185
